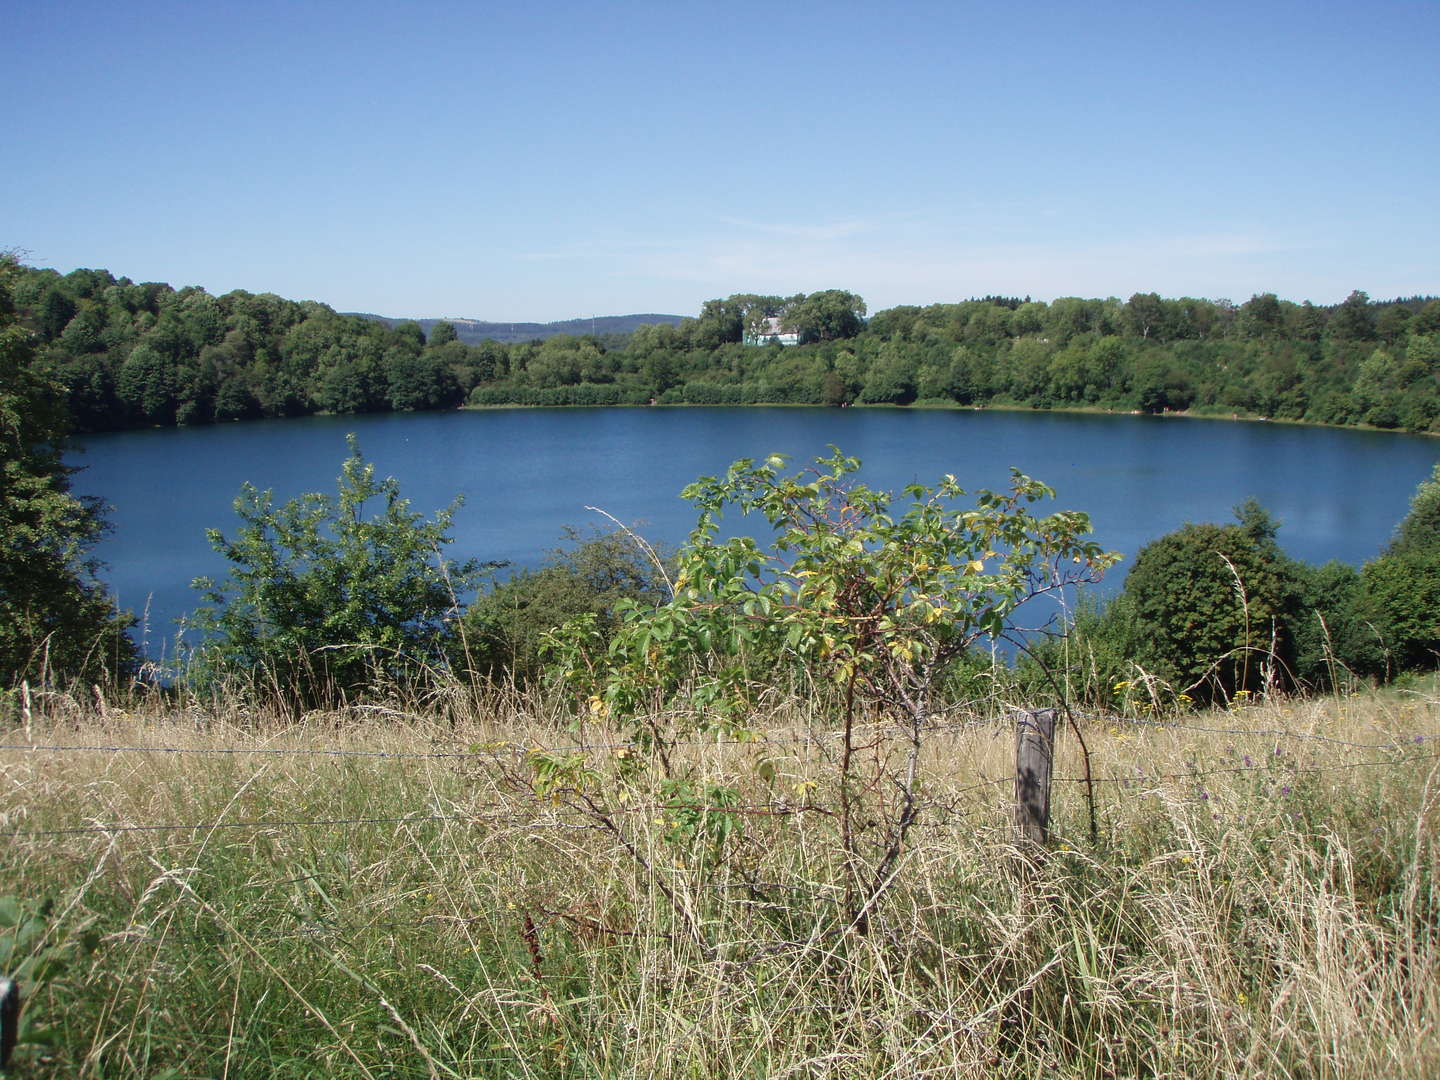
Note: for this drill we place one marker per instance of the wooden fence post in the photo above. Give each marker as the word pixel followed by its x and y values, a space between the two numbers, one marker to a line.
pixel 1034 759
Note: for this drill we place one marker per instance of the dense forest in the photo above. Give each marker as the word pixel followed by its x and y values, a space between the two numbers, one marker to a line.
pixel 146 354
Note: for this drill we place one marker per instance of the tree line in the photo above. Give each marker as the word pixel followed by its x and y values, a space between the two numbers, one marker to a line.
pixel 135 355
pixel 328 599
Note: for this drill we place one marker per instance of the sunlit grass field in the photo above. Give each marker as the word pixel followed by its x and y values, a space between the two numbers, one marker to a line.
pixel 385 894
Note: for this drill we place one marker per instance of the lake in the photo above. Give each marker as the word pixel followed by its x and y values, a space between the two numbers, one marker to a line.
pixel 525 474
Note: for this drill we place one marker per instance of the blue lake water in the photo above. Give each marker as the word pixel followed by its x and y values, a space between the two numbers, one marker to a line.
pixel 525 474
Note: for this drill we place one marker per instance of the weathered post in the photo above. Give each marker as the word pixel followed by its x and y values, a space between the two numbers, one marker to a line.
pixel 1034 760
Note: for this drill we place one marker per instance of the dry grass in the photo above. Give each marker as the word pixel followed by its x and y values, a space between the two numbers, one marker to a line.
pixel 1257 904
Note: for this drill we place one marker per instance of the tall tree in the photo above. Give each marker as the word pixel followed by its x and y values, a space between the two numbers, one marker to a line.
pixel 1354 320
pixel 829 315
pixel 56 623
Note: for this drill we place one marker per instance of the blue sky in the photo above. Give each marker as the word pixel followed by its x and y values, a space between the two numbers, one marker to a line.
pixel 546 160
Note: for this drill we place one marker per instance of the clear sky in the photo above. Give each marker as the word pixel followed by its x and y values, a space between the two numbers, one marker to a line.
pixel 542 160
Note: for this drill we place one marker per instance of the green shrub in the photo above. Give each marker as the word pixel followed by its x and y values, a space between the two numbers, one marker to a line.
pixel 1400 600
pixel 1212 608
pixel 501 633
pixel 857 596
pixel 324 602
pixel 1419 530
pixel 1333 638
pixel 1400 591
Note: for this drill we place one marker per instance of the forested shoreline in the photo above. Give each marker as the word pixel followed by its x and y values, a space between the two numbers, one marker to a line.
pixel 145 354
pixel 324 605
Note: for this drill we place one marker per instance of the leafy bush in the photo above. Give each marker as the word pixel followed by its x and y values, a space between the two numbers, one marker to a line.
pixel 1333 639
pixel 1400 590
pixel 1419 530
pixel 1093 662
pixel 1211 609
pixel 501 633
pixel 323 602
pixel 867 605
pixel 1400 599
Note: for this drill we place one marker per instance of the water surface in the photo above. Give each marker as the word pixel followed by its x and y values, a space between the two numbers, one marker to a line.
pixel 527 473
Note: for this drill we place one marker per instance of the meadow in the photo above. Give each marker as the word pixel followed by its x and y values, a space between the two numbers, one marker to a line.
pixel 198 890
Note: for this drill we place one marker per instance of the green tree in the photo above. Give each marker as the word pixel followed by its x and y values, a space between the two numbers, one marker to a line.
pixel 419 380
pixel 891 379
pixel 56 622
pixel 1400 601
pixel 1212 607
pixel 1393 322
pixel 325 601
pixel 147 383
pixel 1333 639
pixel 56 311
pixel 1159 385
pixel 1149 317
pixel 863 604
pixel 1427 319
pixel 1354 320
pixel 720 322
pixel 1400 590
pixel 1419 530
pixel 829 315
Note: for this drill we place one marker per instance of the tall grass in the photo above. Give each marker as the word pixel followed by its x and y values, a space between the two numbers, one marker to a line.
pixel 1256 905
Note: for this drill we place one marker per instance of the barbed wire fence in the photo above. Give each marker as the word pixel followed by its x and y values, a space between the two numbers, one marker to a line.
pixel 1032 782
pixel 1406 749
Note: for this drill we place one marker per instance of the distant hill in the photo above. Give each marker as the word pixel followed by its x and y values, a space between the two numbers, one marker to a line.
pixel 474 331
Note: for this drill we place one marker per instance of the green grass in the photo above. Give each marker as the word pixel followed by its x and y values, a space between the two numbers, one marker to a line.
pixel 1243 912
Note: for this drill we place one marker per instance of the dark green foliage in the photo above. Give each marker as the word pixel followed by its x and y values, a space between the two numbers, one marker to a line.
pixel 325 601
pixel 56 622
pixel 135 355
pixel 827 316
pixel 1400 590
pixel 1085 664
pixel 419 381
pixel 1211 609
pixel 1400 600
pixel 1354 320
pixel 1419 531
pixel 501 633
pixel 1333 640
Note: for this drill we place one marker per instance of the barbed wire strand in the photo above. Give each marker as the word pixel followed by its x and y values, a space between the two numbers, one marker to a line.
pixel 757 809
pixel 1340 767
pixel 497 752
